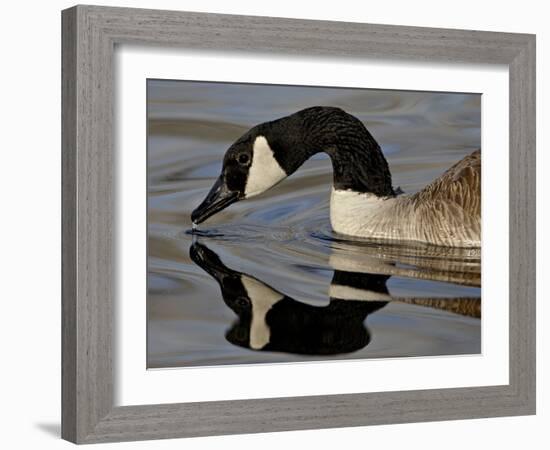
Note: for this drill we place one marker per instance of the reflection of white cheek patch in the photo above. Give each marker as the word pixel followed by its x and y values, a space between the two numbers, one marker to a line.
pixel 263 298
pixel 264 171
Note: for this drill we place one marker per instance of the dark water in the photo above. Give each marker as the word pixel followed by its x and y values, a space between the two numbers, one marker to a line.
pixel 429 297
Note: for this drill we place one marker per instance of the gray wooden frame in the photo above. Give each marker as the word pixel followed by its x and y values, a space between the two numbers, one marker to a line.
pixel 89 37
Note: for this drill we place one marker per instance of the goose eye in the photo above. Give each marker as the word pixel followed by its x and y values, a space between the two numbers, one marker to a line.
pixel 243 158
pixel 242 302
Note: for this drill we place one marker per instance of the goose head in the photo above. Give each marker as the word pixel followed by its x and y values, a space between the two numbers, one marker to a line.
pixel 271 151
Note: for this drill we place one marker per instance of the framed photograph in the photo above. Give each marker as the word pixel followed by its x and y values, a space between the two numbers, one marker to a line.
pixel 268 229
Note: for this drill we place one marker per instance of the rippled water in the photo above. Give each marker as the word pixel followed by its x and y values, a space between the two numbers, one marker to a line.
pixel 429 297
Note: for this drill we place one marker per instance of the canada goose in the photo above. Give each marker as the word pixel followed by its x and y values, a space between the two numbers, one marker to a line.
pixel 363 201
pixel 269 320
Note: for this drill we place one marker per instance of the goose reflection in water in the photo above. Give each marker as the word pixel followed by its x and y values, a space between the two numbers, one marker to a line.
pixel 269 320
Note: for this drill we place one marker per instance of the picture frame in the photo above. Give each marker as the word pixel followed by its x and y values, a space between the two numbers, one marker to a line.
pixel 90 34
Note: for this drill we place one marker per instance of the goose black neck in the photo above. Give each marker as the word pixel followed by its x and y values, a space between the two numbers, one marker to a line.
pixel 357 160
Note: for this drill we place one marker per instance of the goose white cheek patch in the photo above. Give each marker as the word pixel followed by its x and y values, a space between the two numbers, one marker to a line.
pixel 264 171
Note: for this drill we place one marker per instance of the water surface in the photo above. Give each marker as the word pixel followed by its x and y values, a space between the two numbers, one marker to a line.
pixel 429 297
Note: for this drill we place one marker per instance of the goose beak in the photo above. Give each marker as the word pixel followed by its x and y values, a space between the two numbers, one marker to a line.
pixel 219 198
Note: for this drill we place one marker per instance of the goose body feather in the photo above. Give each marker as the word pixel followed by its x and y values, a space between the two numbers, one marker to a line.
pixel 446 212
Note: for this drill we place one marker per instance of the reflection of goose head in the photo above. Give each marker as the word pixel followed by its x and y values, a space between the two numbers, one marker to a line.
pixel 271 321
